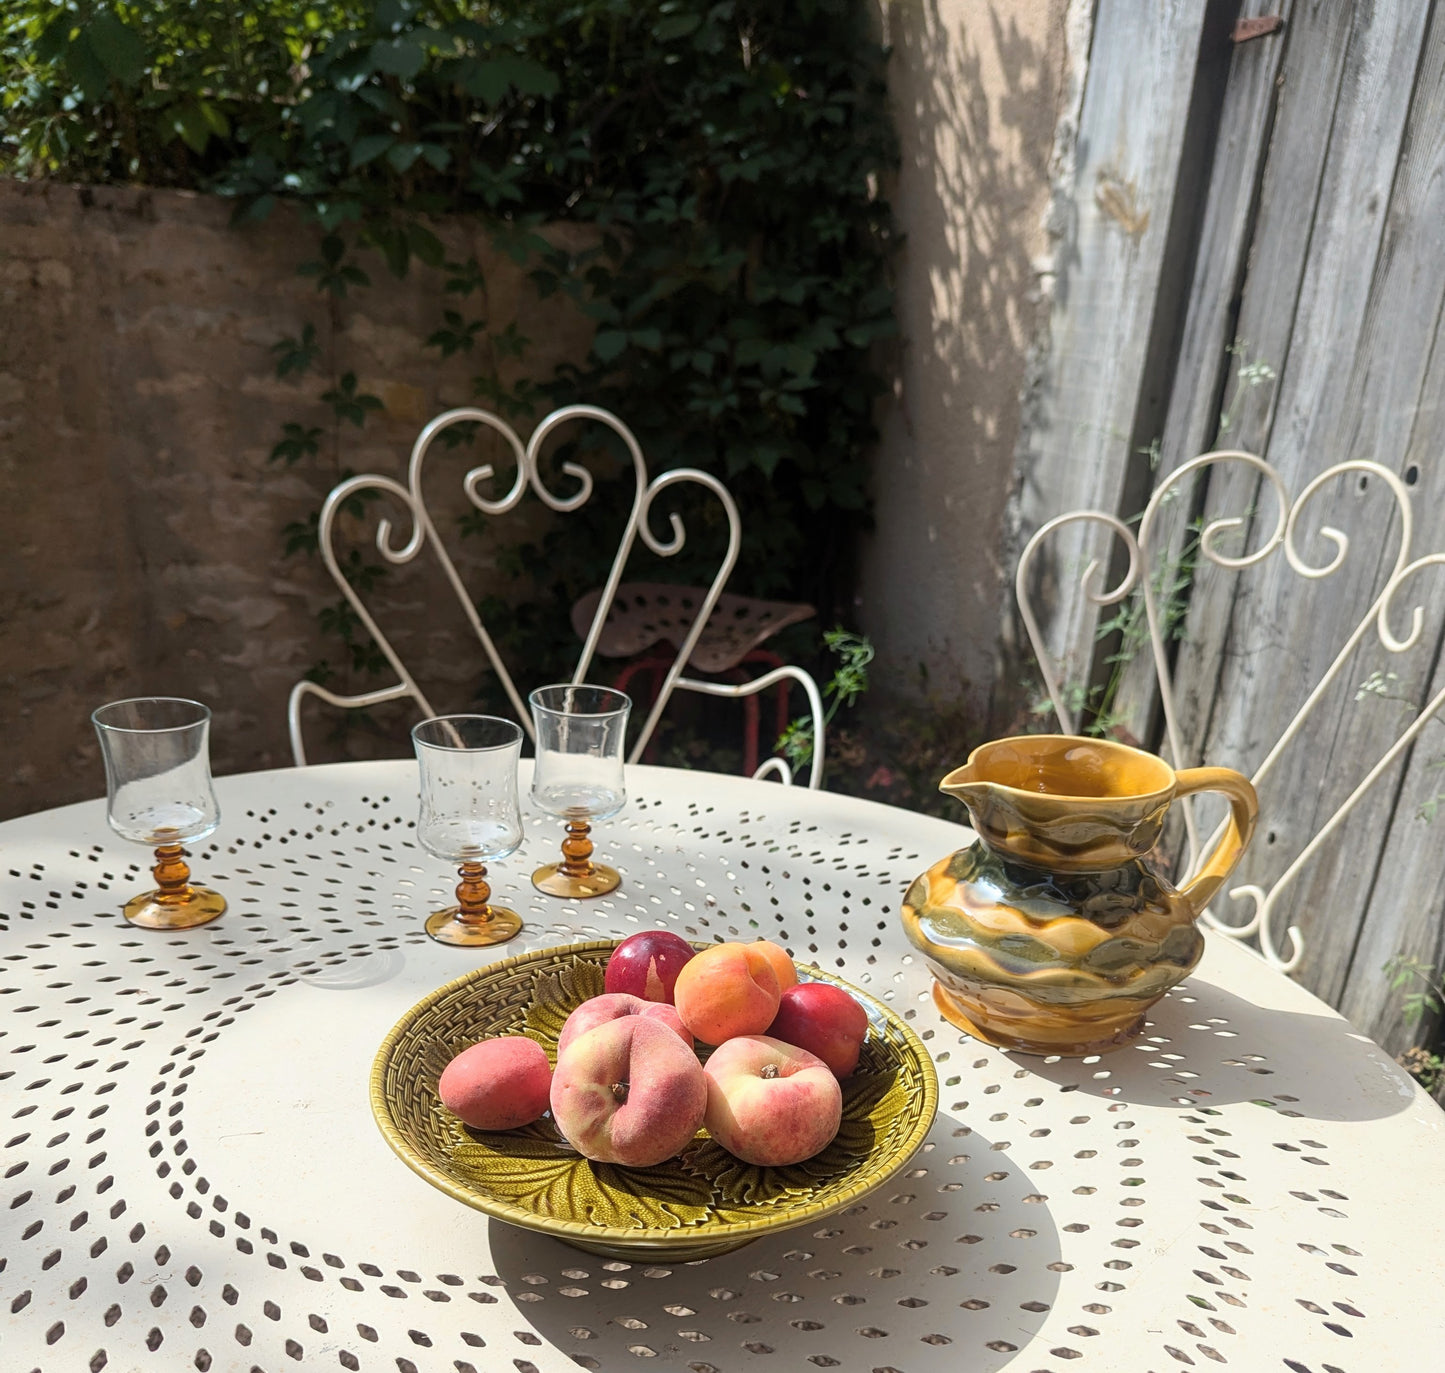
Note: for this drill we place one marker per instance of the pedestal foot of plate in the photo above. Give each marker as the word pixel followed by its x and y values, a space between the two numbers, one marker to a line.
pixel 662 1253
pixel 448 927
pixel 165 910
pixel 596 880
pixel 1084 1041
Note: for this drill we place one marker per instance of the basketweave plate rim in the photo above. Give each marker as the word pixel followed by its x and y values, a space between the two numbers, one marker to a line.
pixel 704 1234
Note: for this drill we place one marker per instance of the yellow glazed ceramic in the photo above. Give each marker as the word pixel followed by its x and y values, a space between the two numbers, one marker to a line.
pixel 702 1203
pixel 1052 934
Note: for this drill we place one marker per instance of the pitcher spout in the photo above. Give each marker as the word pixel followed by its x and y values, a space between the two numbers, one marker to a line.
pixel 964 784
pixel 1062 802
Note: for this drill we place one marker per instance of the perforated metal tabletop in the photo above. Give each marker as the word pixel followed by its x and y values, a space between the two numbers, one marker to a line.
pixel 192 1178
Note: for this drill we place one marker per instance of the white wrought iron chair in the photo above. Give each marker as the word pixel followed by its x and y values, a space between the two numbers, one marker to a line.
pixel 1143 549
pixel 424 532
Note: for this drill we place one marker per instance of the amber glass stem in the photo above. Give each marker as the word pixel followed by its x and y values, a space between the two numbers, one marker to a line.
pixel 473 894
pixel 172 876
pixel 577 849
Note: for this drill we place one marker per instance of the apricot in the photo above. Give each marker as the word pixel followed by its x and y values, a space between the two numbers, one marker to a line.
pixel 771 1103
pixel 598 1010
pixel 778 957
pixel 727 990
pixel 499 1084
pixel 628 1091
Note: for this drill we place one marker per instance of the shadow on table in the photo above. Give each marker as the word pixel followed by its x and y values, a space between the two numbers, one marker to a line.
pixel 954 1264
pixel 1204 1046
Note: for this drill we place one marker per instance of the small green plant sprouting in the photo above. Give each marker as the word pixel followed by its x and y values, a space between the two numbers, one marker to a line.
pixel 332 271
pixel 1381 684
pixel 848 683
pixel 1384 687
pixel 1376 684
pixel 1169 585
pixel 1423 994
pixel 1430 809
pixel 1077 700
pixel 1425 991
pixel 1247 375
pixel 299 441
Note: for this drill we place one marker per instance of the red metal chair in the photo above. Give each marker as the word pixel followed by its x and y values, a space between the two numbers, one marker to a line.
pixel 644 616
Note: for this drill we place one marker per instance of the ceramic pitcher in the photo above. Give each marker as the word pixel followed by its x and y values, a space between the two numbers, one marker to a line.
pixel 1053 933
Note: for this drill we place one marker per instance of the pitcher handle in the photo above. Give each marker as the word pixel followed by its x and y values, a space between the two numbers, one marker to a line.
pixel 1243 811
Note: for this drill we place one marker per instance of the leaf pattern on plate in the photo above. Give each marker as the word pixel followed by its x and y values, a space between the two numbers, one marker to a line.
pixel 532 1168
pixel 879 1092
pixel 540 1139
pixel 539 1179
pixel 434 1057
pixel 555 995
pixel 660 1198
pixel 874 1103
pixel 740 1184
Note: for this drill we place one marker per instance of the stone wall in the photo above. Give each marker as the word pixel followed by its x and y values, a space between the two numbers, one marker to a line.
pixel 140 518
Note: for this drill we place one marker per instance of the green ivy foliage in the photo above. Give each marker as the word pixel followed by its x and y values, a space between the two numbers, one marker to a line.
pixel 730 152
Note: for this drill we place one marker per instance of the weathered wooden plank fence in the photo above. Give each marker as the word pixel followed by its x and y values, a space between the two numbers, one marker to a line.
pixel 1294 310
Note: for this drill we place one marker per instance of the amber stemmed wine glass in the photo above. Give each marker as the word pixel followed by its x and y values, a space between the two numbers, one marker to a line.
pixel 158 791
pixel 470 816
pixel 578 777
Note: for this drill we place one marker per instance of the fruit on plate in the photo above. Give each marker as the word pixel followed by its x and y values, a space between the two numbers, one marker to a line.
pixel 824 1020
pixel 499 1084
pixel 598 1010
pixel 647 964
pixel 727 990
pixel 778 957
pixel 770 1103
pixel 629 1092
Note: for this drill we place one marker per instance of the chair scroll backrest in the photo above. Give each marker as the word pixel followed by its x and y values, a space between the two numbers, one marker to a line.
pixel 1142 550
pixel 638 526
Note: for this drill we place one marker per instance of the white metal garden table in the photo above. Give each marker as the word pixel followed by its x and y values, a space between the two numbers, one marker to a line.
pixel 193 1178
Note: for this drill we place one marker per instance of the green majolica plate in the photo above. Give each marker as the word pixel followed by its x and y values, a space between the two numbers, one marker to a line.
pixel 701 1203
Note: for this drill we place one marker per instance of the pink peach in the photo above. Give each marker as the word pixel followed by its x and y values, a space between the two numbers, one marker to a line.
pixel 598 1010
pixel 628 1091
pixel 770 1103
pixel 499 1084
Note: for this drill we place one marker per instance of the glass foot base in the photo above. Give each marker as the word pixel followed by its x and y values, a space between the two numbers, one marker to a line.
pixel 447 927
pixel 199 906
pixel 598 880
